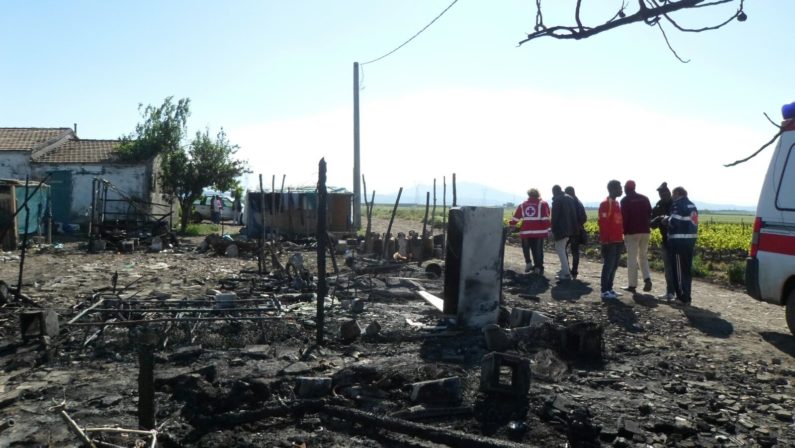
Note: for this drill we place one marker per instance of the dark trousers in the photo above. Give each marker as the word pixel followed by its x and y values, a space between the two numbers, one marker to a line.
pixel 536 247
pixel 669 283
pixel 680 253
pixel 611 253
pixel 574 245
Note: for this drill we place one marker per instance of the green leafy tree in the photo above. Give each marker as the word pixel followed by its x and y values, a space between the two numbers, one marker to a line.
pixel 187 168
pixel 163 131
pixel 207 162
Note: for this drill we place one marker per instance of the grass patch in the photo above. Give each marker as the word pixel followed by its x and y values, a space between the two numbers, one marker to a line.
pixel 202 229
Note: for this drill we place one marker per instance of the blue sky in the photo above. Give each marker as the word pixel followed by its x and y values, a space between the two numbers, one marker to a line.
pixel 461 98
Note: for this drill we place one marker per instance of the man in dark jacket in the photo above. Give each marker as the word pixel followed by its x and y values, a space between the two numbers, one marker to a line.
pixel 661 210
pixel 564 226
pixel 682 234
pixel 580 238
pixel 635 212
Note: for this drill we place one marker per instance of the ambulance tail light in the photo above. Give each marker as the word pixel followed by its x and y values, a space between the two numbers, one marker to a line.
pixel 755 237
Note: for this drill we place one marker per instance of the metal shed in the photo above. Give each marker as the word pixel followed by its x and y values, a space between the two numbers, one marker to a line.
pixel 12 200
pixel 294 213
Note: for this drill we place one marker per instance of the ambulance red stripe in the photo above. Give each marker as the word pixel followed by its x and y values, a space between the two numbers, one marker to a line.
pixel 778 244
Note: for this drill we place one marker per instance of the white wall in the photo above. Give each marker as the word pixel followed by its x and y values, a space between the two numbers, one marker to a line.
pixel 14 164
pixel 131 180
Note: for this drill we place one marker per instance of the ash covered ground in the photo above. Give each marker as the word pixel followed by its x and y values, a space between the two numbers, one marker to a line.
pixel 718 373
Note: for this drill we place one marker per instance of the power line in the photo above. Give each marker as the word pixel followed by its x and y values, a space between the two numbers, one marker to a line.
pixel 412 37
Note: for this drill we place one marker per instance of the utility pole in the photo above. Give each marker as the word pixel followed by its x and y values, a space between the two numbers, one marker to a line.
pixel 357 193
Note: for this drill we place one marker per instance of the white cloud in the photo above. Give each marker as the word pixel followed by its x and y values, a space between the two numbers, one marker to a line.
pixel 510 140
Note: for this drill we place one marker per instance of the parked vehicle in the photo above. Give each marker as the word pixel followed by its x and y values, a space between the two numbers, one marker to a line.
pixel 770 267
pixel 202 209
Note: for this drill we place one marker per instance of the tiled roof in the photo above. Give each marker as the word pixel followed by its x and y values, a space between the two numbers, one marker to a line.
pixel 81 151
pixel 28 139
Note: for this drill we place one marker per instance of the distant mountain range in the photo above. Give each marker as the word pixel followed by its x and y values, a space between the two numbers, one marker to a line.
pixel 468 193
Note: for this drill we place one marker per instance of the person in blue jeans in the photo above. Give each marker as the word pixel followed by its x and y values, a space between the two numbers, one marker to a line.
pixel 682 235
pixel 611 237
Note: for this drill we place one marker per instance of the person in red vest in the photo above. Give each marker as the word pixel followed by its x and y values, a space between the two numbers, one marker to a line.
pixel 534 215
pixel 611 236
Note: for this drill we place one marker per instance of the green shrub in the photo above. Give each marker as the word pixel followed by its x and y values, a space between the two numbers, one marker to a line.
pixel 700 268
pixel 202 229
pixel 192 230
pixel 736 272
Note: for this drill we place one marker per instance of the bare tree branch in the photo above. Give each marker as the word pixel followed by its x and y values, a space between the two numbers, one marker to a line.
pixel 771 120
pixel 649 12
pixel 737 162
pixel 683 61
pixel 577 15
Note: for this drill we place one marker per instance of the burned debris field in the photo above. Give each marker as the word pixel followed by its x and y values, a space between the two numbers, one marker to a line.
pixel 199 346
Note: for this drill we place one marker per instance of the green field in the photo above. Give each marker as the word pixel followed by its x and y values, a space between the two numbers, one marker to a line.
pixel 723 242
pixel 717 217
pixel 417 212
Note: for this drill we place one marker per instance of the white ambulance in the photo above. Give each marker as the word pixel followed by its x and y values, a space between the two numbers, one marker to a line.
pixel 770 267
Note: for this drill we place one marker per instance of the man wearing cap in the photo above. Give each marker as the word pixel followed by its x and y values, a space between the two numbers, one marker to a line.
pixel 635 212
pixel 682 234
pixel 660 211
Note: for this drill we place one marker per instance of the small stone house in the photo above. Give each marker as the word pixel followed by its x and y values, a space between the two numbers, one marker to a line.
pixel 72 164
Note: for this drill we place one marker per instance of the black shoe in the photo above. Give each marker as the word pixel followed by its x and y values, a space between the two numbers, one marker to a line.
pixel 681 302
pixel 629 289
pixel 647 285
pixel 574 275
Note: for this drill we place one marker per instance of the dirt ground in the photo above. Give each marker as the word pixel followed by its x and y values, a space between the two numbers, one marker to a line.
pixel 718 373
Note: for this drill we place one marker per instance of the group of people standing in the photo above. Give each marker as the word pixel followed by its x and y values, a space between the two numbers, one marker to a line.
pixel 625 223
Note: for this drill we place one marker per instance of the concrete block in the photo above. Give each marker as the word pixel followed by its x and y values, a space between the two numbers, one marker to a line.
pixel 441 391
pixel 312 387
pixel 473 275
pixel 38 324
pixel 98 245
pixel 520 317
pixel 372 329
pixel 349 331
pixel 538 318
pixel 231 251
pixel 357 305
pixel 497 339
pixel 504 373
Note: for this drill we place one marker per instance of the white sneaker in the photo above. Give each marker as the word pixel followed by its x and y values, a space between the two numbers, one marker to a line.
pixel 667 296
pixel 609 295
pixel 617 294
pixel 528 267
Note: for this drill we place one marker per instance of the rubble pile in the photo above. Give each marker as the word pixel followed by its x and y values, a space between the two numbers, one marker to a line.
pixel 235 360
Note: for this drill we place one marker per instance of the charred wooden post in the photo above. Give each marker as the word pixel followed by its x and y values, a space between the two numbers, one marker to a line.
pixel 455 198
pixel 332 252
pixel 322 288
pixel 425 219
pixel 433 210
pixel 91 218
pixel 146 379
pixel 367 213
pixel 24 241
pixel 444 213
pixel 261 255
pixel 391 220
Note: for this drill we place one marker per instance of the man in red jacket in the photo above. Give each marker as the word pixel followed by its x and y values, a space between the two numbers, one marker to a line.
pixel 611 236
pixel 534 214
pixel 636 212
